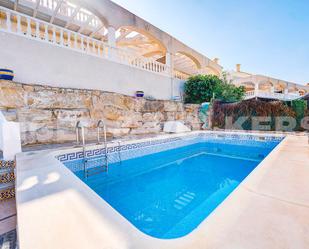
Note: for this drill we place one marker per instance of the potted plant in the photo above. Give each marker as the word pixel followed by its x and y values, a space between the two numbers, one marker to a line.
pixel 6 74
pixel 139 94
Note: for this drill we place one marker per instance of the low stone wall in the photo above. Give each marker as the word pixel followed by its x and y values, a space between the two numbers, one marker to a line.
pixel 49 114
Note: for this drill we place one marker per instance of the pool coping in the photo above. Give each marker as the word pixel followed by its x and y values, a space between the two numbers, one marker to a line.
pixel 57 210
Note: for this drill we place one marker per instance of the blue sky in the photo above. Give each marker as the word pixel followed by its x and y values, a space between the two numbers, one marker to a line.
pixel 268 37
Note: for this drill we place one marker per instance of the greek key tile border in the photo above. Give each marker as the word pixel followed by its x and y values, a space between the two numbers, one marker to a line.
pixel 110 150
pixel 129 151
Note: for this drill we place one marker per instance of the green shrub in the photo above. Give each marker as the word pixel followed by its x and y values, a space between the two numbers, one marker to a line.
pixel 202 88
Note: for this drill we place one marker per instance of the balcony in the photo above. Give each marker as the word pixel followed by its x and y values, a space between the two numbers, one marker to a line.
pixel 35 29
pixel 272 95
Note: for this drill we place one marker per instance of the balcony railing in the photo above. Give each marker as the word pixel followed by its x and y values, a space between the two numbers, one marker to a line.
pixel 271 95
pixel 32 28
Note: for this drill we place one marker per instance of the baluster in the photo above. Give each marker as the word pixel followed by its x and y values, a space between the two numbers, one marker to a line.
pixel 18 24
pixel 61 37
pixel 37 29
pixel 54 35
pixel 8 21
pixel 29 26
pixel 46 32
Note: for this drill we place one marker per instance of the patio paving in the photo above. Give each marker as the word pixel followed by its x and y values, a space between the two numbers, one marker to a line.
pixel 8 224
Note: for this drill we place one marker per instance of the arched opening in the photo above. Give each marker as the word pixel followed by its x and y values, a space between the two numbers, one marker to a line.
pixel 293 89
pixel 249 86
pixel 211 70
pixel 186 64
pixel 280 87
pixel 141 43
pixel 302 92
pixel 266 86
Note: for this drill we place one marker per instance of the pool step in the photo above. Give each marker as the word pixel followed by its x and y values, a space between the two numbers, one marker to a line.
pixel 183 200
pixel 101 168
pixel 7 180
pixel 96 170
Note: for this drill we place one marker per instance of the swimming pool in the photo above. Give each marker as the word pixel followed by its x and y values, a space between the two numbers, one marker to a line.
pixel 169 192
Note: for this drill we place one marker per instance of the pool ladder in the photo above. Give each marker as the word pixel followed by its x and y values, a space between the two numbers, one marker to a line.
pixel 80 140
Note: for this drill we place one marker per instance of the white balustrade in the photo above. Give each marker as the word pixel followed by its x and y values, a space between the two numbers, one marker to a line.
pixel 80 42
pixel 271 95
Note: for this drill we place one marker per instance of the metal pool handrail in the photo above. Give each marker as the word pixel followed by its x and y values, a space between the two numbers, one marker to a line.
pixel 80 132
pixel 100 125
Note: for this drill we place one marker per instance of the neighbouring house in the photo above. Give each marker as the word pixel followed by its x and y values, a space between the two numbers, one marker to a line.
pixel 264 87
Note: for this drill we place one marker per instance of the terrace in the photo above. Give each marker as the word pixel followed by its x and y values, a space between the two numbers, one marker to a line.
pixel 72 26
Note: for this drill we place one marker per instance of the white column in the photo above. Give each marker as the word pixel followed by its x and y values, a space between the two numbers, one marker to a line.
pixel 54 35
pixel 82 42
pixel 61 37
pixel 256 89
pixel 75 41
pixel 88 48
pixel 37 29
pixel 8 21
pixel 18 24
pixel 69 39
pixel 286 89
pixel 46 32
pixel 272 89
pixel 111 40
pixel 28 26
pixel 111 36
pixel 169 61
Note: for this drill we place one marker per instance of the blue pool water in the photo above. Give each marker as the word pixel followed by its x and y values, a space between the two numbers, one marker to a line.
pixel 168 194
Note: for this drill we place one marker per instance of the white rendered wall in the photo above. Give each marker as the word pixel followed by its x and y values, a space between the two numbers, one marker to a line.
pixel 41 63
